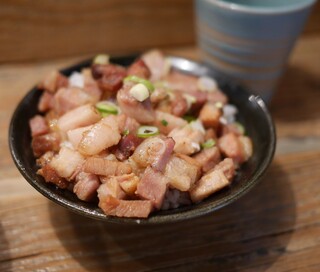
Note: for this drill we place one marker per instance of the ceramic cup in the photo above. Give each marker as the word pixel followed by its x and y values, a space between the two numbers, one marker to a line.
pixel 250 40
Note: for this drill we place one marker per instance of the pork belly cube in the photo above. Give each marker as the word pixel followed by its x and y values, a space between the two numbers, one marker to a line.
pixel 179 105
pixel 50 175
pixel 38 125
pixel 166 122
pixel 208 158
pixel 128 183
pixel 154 151
pixel 66 162
pixel 210 115
pixel 86 186
pixel 182 172
pixel 179 81
pixel 125 208
pixel 217 96
pixel 110 187
pixel 98 138
pixel 208 184
pixel 78 117
pixel 47 142
pixel 237 148
pixel 75 135
pixel 152 186
pixel 157 63
pixel 227 166
pixel 46 102
pixel 140 111
pixel 187 139
pixel 70 98
pixel 90 85
pixel 105 167
pixel 127 146
pixel 139 69
pixel 246 146
pixel 53 81
pixel 108 76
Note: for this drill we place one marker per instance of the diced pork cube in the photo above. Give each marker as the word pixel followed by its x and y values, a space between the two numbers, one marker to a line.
pixel 227 166
pixel 166 122
pixel 38 125
pixel 141 111
pixel 50 175
pixel 78 117
pixel 53 81
pixel 128 183
pixel 157 64
pixel 154 151
pixel 210 115
pixel 110 186
pixel 98 138
pixel 152 186
pixel 125 208
pixel 66 162
pixel 182 172
pixel 105 167
pixel 108 76
pixel 208 184
pixel 47 142
pixel 75 135
pixel 208 158
pixel 46 102
pixel 187 139
pixel 70 98
pixel 86 186
pixel 237 148
pixel 127 146
pixel 139 69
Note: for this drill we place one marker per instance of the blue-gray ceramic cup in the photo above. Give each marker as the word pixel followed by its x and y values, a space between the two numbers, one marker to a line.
pixel 250 40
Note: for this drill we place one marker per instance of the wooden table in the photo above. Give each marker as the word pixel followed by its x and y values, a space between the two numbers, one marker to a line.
pixel 275 227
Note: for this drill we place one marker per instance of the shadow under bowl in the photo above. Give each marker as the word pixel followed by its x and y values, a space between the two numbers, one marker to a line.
pixel 253 114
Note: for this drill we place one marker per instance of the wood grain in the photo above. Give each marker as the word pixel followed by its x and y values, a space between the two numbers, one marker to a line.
pixel 275 227
pixel 47 29
pixel 38 30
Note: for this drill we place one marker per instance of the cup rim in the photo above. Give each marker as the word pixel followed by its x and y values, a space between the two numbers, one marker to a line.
pixel 262 10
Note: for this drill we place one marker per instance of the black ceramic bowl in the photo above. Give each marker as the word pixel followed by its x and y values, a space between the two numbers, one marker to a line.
pixel 253 114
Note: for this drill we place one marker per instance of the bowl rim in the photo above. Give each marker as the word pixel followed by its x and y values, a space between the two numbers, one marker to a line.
pixel 188 66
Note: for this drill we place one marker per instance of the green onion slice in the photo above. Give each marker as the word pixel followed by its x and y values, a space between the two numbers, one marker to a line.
pixel 189 118
pixel 164 122
pixel 147 131
pixel 106 108
pixel 126 132
pixel 209 143
pixel 145 82
pixel 101 59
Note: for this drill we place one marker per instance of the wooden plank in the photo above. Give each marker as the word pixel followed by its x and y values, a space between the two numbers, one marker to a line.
pixel 33 30
pixel 276 227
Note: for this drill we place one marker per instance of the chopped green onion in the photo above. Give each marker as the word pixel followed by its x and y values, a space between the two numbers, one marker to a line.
pixel 190 99
pixel 189 118
pixel 219 105
pixel 139 92
pixel 209 143
pixel 101 59
pixel 147 131
pixel 164 122
pixel 126 132
pixel 240 127
pixel 106 107
pixel 143 81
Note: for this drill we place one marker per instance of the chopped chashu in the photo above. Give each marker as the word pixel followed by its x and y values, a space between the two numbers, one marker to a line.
pixel 152 186
pixel 208 158
pixel 154 151
pixel 106 167
pixel 78 117
pixel 182 172
pixel 86 186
